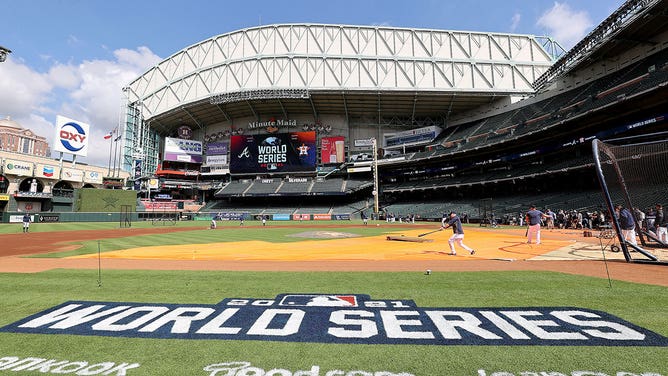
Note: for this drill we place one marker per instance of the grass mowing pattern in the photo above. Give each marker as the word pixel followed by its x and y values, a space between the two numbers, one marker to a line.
pixel 232 234
pixel 644 305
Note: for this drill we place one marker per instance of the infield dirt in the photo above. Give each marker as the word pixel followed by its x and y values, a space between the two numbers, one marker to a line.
pixel 496 249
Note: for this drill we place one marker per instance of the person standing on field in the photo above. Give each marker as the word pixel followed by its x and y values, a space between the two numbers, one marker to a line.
pixel 26 222
pixel 533 219
pixel 627 224
pixel 661 223
pixel 458 233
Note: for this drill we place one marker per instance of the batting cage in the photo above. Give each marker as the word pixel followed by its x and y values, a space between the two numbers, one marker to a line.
pixel 633 181
pixel 125 218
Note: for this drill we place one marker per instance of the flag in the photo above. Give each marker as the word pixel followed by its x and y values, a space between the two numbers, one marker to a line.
pixel 108 135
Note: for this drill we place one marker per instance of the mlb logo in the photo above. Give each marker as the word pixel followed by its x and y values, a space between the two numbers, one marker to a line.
pixel 319 300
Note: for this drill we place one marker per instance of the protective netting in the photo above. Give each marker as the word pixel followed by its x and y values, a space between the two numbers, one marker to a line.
pixel 635 176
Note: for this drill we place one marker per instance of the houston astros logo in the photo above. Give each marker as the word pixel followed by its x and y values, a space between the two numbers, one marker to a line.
pixel 72 136
pixel 303 150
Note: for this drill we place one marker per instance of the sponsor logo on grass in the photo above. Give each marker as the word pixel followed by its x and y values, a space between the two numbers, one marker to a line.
pixel 343 318
pixel 55 366
pixel 245 368
pixel 482 372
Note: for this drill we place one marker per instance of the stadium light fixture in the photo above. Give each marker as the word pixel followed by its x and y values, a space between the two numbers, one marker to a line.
pixel 259 94
pixel 3 53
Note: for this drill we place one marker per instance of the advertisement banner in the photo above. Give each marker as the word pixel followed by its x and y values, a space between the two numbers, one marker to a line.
pixel 47 171
pixel 216 160
pixel 4 197
pixel 322 217
pixel 71 136
pixel 93 177
pixel 278 153
pixel 301 217
pixel 160 205
pixel 365 142
pixel 153 183
pixel 224 216
pixel 414 136
pixel 280 217
pixel 180 150
pixel 332 149
pixel 71 174
pixel 19 218
pixel 12 167
pixel 49 218
pixel 216 148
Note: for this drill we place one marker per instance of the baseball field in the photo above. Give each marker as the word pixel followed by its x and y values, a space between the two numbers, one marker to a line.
pixel 324 298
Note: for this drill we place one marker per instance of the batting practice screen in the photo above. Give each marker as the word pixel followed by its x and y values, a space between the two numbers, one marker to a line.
pixel 278 153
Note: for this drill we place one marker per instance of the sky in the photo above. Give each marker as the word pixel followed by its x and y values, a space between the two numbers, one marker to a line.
pixel 72 57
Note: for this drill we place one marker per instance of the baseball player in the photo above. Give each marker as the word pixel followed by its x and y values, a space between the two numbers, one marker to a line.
pixel 458 232
pixel 26 222
pixel 534 217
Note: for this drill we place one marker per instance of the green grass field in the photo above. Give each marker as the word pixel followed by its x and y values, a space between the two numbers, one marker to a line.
pixel 27 294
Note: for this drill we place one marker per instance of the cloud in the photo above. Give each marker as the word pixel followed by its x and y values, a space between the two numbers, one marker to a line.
pixel 567 26
pixel 89 92
pixel 515 21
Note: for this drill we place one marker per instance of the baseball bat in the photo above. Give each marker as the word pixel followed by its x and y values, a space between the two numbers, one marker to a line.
pixel 427 233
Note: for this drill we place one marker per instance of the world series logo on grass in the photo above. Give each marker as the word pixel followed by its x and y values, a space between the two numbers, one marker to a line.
pixel 340 318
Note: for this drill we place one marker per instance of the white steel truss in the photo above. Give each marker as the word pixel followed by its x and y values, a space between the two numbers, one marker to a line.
pixel 317 57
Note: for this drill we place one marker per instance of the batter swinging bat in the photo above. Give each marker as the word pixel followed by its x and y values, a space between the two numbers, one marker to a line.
pixel 427 233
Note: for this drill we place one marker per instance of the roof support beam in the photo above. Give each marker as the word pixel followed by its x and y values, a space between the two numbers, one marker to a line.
pixel 315 112
pixel 415 99
pixel 285 113
pixel 345 108
pixel 250 105
pixel 225 114
pixel 380 116
pixel 199 123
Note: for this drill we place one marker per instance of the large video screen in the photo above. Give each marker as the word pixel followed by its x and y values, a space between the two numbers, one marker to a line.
pixel 180 150
pixel 276 153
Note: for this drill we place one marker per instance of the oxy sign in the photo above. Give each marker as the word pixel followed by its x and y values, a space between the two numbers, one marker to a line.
pixel 71 136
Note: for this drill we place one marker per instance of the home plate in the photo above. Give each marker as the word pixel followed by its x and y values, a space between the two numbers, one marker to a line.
pixel 402 238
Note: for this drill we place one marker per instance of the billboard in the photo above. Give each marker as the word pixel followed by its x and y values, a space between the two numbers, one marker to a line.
pixel 414 136
pixel 216 148
pixel 333 149
pixel 277 153
pixel 72 174
pixel 93 177
pixel 71 136
pixel 47 171
pixel 180 150
pixel 20 168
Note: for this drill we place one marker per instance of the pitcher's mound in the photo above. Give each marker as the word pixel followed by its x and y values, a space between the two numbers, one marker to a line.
pixel 323 235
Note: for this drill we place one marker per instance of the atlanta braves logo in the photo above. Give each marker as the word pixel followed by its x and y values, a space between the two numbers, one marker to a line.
pixel 245 153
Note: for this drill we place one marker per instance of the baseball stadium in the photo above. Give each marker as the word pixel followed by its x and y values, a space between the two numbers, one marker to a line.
pixel 325 200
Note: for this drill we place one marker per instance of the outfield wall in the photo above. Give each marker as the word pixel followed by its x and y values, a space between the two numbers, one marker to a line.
pixel 52 217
